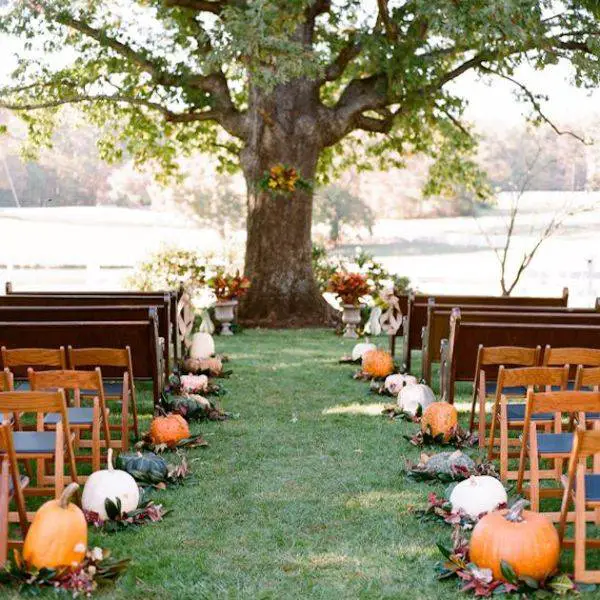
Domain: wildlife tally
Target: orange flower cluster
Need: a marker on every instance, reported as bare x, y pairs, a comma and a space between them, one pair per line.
348, 287
282, 178
229, 287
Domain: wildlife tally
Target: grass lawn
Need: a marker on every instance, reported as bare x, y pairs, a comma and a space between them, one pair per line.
301, 497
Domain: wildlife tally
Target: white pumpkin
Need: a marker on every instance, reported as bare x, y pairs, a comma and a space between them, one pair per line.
413, 396
203, 346
478, 494
110, 483
395, 383
362, 348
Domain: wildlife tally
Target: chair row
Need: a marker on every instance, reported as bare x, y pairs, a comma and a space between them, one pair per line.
121, 388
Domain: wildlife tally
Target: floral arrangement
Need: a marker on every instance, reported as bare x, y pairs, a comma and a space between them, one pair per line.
97, 568
148, 512
348, 287
440, 509
459, 438
283, 179
229, 287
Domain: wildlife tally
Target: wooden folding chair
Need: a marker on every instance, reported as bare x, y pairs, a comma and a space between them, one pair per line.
81, 418
42, 445
583, 490
484, 391
123, 391
588, 378
15, 483
556, 446
33, 357
511, 415
587, 357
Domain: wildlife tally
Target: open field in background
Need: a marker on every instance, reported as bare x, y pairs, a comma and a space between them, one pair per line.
439, 255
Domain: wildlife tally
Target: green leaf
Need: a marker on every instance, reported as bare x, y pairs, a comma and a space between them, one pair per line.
561, 584
508, 573
444, 551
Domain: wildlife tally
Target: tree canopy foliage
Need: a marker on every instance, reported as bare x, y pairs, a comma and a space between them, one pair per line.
175, 76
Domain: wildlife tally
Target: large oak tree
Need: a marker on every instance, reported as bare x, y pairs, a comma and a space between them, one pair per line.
313, 84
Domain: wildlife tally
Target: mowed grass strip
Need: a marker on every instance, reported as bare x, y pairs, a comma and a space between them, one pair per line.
303, 496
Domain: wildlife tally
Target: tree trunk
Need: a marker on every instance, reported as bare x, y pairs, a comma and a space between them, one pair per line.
279, 246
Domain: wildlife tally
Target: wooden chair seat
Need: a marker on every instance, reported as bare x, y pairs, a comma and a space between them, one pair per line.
516, 413
35, 442
83, 415
555, 443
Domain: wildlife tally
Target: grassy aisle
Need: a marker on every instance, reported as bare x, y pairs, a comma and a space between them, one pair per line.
295, 499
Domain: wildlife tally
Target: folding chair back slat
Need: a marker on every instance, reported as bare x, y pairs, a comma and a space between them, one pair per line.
587, 377
34, 357
509, 355
563, 402
589, 357
99, 357
532, 376
66, 379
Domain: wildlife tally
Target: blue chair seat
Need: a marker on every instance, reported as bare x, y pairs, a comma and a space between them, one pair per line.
592, 488
516, 412
112, 387
490, 389
554, 443
34, 442
592, 415
22, 386
77, 416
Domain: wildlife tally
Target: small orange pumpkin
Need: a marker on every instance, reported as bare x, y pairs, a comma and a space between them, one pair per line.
58, 534
439, 418
377, 363
526, 540
169, 430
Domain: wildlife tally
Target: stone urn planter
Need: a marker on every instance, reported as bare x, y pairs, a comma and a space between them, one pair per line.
351, 318
225, 315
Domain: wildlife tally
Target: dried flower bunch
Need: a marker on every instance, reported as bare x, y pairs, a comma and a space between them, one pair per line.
283, 179
348, 287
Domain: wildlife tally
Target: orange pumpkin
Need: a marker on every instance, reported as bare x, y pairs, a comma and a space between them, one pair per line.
377, 363
58, 534
169, 430
439, 418
526, 540
214, 365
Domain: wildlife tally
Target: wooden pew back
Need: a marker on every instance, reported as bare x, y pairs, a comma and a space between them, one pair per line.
416, 313
459, 353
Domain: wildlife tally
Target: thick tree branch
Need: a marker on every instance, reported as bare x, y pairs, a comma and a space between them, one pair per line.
534, 103
169, 115
390, 28
347, 54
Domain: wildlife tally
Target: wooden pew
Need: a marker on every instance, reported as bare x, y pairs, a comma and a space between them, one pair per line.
416, 313
438, 323
174, 296
459, 352
140, 336
161, 302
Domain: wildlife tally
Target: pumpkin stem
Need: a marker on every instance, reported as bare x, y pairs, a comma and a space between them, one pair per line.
109, 461
515, 514
63, 501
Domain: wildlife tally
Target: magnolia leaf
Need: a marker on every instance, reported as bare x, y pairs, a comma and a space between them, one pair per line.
561, 584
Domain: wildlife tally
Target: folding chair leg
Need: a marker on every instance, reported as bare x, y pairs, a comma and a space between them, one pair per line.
134, 410
482, 420
59, 462
96, 436
580, 526
503, 443
125, 425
